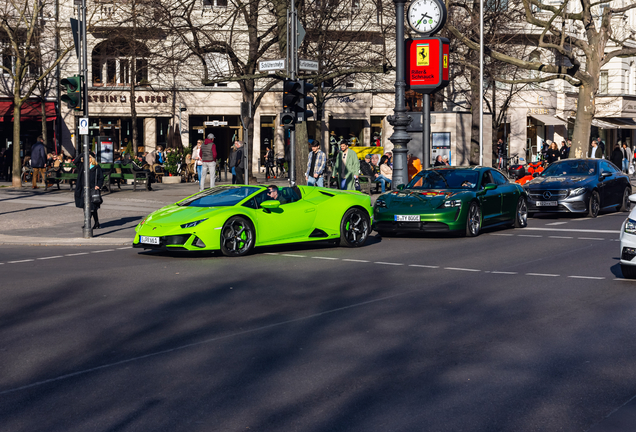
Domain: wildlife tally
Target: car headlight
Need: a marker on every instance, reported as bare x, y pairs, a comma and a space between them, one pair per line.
453, 203
577, 192
380, 203
630, 226
193, 224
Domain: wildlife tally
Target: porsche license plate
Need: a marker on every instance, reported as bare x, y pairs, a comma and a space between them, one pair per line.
547, 203
149, 240
407, 218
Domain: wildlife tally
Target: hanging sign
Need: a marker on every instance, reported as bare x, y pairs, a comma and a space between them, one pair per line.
427, 64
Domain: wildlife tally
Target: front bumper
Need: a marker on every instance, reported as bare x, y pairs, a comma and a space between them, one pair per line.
628, 247
577, 204
442, 220
176, 238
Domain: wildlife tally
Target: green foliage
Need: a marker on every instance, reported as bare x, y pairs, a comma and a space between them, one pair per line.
173, 159
129, 149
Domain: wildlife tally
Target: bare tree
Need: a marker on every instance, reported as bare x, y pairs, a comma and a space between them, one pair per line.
588, 34
23, 30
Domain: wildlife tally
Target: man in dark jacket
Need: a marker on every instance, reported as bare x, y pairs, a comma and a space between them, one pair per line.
617, 156
38, 161
240, 164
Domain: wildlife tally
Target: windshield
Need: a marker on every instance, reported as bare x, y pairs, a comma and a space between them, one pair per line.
571, 168
219, 197
445, 179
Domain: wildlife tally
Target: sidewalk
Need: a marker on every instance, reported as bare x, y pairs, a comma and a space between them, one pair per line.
36, 217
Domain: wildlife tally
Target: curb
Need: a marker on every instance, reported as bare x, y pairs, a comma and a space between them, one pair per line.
53, 241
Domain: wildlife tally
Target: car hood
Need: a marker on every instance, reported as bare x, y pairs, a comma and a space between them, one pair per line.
564, 182
423, 199
174, 214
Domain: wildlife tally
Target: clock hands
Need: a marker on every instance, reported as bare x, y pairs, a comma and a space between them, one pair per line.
424, 16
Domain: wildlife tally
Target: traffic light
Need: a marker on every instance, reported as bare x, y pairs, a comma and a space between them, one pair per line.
291, 99
305, 100
73, 96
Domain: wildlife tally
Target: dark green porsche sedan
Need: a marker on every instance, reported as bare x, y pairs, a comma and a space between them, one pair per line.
453, 199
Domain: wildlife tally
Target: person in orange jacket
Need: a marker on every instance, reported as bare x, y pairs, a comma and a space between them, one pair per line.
414, 165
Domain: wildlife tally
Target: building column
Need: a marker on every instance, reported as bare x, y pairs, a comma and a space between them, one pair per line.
256, 142
150, 134
518, 132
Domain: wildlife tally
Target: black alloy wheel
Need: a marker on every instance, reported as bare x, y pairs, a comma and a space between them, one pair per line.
473, 220
521, 217
594, 206
354, 228
625, 204
237, 237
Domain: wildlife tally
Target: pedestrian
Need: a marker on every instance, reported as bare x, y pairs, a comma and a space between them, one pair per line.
390, 156
438, 161
552, 155
232, 163
617, 156
269, 163
95, 182
208, 161
445, 160
346, 168
38, 162
366, 167
239, 164
196, 156
564, 151
601, 145
150, 158
160, 156
386, 173
414, 165
316, 163
595, 151
628, 157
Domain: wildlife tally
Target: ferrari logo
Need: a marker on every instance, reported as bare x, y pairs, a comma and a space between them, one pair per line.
422, 55
445, 61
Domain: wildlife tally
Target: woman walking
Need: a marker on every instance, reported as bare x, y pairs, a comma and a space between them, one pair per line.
96, 182
553, 153
196, 156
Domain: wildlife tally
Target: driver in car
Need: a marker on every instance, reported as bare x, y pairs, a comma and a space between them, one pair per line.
272, 193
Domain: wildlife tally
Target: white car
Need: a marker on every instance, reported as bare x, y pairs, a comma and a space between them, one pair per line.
628, 243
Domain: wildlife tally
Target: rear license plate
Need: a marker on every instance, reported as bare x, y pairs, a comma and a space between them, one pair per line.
407, 218
149, 240
547, 203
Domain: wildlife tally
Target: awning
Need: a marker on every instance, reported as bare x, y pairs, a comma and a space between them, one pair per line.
30, 111
603, 124
549, 120
621, 122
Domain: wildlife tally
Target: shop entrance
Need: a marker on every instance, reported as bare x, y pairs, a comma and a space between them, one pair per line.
348, 129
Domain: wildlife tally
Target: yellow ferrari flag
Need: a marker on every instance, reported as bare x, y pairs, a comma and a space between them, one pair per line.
422, 55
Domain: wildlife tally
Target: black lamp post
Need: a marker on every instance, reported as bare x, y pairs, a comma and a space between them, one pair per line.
399, 120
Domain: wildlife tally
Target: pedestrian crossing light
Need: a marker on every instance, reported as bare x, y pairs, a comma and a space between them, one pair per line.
291, 100
73, 96
305, 100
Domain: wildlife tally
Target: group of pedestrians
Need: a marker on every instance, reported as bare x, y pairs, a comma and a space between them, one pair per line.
205, 159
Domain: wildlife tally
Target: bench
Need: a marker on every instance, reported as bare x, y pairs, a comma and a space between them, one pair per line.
125, 172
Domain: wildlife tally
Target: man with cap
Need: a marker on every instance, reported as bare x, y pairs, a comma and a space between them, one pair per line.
315, 165
208, 161
38, 162
347, 167
366, 168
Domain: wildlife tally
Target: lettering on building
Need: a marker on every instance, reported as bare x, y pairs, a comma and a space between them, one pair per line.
538, 111
346, 99
124, 98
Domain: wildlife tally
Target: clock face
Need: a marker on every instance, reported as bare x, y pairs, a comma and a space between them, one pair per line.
426, 16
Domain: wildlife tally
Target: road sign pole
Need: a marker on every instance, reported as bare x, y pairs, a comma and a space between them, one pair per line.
88, 230
293, 51
426, 131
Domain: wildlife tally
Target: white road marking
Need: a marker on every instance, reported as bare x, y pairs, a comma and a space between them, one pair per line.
574, 230
326, 258
504, 272
355, 260
586, 277
270, 253
388, 263
76, 254
295, 256
502, 234
51, 257
626, 280
590, 238
105, 250
560, 237
556, 223
20, 261
423, 266
542, 274
127, 247
461, 269
528, 235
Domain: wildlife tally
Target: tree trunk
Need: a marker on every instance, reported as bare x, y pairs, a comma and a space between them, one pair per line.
302, 152
16, 172
44, 137
475, 100
584, 115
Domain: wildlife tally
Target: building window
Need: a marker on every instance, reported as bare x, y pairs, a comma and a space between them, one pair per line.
214, 3
604, 84
112, 61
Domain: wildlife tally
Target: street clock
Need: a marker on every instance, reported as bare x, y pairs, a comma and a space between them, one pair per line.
426, 16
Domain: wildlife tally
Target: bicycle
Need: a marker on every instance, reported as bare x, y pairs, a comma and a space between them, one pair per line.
27, 174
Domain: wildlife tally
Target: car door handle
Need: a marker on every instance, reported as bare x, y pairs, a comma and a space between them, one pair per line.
309, 210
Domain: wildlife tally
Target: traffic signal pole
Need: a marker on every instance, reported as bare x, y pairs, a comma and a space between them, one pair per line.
88, 230
292, 72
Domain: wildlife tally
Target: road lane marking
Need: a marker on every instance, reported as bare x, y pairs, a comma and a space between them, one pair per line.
560, 237
127, 247
590, 238
76, 254
355, 260
586, 277
502, 234
542, 274
20, 261
326, 258
388, 263
504, 272
424, 266
51, 257
105, 250
270, 253
528, 235
574, 230
556, 223
461, 269
294, 256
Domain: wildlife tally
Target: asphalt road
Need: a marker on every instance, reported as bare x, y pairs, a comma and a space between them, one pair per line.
516, 330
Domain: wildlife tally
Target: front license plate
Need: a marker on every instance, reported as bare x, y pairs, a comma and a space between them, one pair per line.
149, 240
407, 218
547, 203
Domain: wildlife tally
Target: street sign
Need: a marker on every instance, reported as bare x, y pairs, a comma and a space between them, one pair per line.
271, 65
83, 126
301, 34
215, 123
427, 64
308, 65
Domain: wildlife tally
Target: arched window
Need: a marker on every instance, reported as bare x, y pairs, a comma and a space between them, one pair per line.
112, 62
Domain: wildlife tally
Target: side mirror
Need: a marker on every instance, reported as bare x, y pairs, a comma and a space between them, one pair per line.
632, 199
490, 186
271, 204
605, 175
536, 174
401, 187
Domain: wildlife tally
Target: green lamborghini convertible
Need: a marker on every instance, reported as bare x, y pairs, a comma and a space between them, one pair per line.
236, 218
461, 200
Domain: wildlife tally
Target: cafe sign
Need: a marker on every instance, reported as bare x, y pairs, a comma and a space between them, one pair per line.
124, 98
